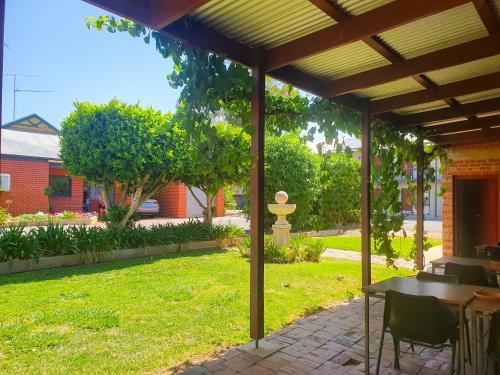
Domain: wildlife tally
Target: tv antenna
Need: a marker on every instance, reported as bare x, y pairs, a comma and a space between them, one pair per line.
17, 90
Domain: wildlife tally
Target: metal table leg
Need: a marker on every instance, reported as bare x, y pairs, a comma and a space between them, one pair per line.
461, 353
367, 333
473, 322
481, 345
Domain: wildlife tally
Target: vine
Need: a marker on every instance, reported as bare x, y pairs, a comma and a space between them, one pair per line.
213, 86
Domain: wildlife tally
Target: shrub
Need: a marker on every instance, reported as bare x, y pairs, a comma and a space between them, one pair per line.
292, 167
300, 249
93, 242
115, 214
339, 191
54, 239
15, 244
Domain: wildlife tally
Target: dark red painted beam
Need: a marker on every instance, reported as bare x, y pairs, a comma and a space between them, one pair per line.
444, 114
463, 125
163, 13
465, 87
378, 20
473, 137
460, 54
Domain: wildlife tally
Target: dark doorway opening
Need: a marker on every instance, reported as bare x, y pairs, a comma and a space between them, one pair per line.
475, 213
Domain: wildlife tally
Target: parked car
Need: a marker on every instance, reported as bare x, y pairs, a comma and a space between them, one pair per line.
149, 208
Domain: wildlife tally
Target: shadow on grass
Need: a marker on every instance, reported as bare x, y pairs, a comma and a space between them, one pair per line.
90, 269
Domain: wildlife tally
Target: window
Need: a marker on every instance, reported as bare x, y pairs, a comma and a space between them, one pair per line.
59, 186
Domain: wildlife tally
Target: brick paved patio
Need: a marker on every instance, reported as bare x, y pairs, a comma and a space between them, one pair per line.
328, 342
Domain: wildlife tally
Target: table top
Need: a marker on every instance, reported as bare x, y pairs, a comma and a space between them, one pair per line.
485, 262
453, 294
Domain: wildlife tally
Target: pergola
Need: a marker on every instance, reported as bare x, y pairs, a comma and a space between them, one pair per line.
432, 64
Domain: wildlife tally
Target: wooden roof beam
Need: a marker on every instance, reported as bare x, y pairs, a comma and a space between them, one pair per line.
444, 114
163, 13
459, 88
487, 15
378, 20
475, 137
462, 125
456, 55
377, 44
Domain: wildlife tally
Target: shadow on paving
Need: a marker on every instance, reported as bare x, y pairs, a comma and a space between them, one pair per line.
327, 342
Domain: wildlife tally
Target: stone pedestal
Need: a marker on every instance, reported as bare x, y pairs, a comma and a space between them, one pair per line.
281, 228
281, 234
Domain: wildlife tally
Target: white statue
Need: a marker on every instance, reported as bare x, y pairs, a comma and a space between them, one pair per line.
281, 229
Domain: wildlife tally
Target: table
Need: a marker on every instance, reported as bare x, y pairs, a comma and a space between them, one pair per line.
452, 294
441, 262
480, 309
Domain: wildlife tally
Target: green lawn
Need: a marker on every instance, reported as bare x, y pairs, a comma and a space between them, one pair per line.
401, 245
147, 314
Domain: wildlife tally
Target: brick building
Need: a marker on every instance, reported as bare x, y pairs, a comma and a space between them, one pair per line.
34, 179
471, 202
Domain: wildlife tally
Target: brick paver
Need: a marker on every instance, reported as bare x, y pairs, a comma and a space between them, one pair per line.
328, 342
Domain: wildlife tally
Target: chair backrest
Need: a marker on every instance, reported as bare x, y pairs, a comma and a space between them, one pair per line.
448, 279
417, 318
493, 252
472, 275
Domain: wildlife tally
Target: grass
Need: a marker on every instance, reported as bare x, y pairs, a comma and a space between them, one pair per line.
148, 314
401, 245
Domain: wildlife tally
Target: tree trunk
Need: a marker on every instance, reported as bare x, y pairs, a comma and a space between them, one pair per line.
134, 205
105, 196
208, 209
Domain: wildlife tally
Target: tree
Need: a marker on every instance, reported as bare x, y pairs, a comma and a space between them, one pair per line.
339, 190
219, 155
210, 83
289, 165
137, 150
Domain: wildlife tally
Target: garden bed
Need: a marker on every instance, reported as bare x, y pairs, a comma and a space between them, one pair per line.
37, 223
19, 265
56, 245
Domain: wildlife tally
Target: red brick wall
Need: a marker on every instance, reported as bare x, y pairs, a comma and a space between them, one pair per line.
219, 203
479, 160
28, 179
73, 203
172, 201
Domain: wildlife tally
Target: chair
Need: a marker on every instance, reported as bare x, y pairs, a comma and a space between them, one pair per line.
472, 275
493, 252
422, 320
448, 279
493, 349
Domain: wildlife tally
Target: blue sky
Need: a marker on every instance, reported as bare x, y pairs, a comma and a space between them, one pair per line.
50, 38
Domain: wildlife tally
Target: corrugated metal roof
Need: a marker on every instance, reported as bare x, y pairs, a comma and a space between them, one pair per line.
267, 23
464, 71
357, 7
401, 86
343, 61
454, 26
483, 95
421, 107
21, 143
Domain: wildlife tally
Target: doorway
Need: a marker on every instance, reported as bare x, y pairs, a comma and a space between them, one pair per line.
475, 213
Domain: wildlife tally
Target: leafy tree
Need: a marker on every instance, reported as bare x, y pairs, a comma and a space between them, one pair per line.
219, 155
115, 144
339, 190
292, 167
210, 84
